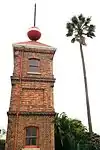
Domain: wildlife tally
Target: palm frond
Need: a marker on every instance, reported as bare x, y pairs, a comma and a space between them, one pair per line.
81, 18
92, 28
70, 33
74, 20
70, 26
90, 34
80, 31
73, 40
88, 20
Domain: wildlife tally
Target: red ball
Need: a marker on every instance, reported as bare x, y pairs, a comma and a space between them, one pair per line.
34, 33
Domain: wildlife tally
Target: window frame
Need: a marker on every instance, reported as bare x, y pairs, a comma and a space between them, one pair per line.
37, 137
34, 66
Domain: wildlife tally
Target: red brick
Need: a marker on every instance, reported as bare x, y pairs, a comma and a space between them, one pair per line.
32, 99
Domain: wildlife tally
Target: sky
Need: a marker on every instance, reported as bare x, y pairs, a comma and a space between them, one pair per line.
16, 16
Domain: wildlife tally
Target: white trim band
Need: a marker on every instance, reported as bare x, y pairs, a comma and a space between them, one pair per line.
34, 46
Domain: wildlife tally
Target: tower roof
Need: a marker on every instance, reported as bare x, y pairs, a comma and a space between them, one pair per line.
34, 34
33, 44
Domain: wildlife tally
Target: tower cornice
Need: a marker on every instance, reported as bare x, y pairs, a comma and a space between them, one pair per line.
34, 48
32, 79
22, 113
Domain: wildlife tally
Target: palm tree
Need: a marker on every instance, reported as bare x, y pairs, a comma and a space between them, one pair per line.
63, 135
80, 28
69, 133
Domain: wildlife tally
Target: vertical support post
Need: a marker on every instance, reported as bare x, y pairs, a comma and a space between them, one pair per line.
35, 15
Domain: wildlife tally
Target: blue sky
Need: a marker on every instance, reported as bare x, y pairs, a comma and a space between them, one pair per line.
16, 16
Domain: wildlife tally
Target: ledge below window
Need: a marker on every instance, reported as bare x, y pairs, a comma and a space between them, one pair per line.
31, 148
34, 73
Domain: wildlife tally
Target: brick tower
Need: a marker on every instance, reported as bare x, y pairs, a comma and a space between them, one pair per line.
31, 111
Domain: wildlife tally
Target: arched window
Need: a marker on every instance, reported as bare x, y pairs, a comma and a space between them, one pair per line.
31, 136
34, 65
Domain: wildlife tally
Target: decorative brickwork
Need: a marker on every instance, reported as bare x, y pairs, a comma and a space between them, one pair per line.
31, 101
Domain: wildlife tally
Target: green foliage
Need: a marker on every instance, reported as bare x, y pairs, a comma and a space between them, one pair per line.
79, 28
67, 131
2, 144
2, 131
71, 134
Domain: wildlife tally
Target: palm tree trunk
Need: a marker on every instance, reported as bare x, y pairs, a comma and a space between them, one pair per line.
86, 91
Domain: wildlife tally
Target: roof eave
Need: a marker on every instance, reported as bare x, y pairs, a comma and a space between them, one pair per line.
33, 46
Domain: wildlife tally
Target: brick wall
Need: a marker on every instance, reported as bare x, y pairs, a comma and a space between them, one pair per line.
46, 63
35, 96
46, 131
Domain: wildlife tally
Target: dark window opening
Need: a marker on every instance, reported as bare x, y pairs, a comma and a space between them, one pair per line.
34, 65
31, 136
